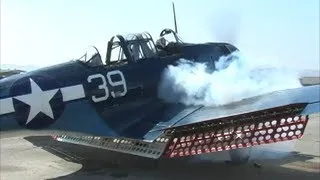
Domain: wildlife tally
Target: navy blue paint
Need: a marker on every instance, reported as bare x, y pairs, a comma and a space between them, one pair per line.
133, 115
21, 87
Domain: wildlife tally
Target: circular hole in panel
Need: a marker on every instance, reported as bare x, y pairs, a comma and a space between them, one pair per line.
256, 133
283, 135
248, 134
239, 141
289, 120
279, 129
260, 125
239, 128
246, 127
232, 142
282, 121
227, 137
252, 126
263, 132
254, 139
261, 138
300, 126
219, 132
298, 132
285, 128
273, 123
226, 131
220, 138
268, 137
290, 133
242, 135
175, 139
215, 140
267, 123
276, 136
206, 135
225, 144
270, 131
246, 140
296, 118
293, 127
193, 136
211, 134
219, 144
199, 147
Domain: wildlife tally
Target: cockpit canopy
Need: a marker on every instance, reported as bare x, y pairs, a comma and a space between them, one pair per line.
133, 48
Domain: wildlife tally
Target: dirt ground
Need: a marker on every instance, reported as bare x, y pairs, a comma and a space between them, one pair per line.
26, 155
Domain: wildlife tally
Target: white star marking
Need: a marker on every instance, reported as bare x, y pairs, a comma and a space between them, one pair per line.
38, 101
69, 93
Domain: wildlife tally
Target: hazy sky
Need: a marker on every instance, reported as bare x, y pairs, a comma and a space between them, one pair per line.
45, 32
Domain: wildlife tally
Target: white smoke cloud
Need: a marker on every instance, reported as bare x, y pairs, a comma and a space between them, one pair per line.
236, 78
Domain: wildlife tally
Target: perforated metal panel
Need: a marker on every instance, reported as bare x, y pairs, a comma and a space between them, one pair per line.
124, 145
251, 129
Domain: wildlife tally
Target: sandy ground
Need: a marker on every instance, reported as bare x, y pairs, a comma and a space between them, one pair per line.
26, 155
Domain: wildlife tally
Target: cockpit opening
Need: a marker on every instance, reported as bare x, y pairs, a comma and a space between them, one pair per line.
92, 57
169, 43
133, 48
141, 46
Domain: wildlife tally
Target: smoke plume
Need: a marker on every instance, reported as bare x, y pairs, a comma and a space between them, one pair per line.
234, 78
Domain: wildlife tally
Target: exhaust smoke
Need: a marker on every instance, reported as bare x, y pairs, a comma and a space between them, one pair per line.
234, 79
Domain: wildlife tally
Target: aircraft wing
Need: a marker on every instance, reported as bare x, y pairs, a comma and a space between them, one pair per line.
306, 97
190, 130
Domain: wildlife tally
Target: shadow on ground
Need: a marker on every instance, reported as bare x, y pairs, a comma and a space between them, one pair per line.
103, 164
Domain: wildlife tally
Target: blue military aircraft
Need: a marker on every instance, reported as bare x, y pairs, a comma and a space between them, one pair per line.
113, 104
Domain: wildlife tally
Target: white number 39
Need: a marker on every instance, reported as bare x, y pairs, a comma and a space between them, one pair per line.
103, 85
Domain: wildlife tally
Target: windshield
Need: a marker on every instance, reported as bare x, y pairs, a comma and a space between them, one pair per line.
89, 54
170, 36
91, 57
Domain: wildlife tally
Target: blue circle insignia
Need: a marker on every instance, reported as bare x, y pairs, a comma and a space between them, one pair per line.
37, 101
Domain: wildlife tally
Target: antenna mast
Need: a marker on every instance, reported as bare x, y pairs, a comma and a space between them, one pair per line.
174, 16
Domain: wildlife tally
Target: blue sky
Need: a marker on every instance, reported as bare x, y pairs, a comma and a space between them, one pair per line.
42, 33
